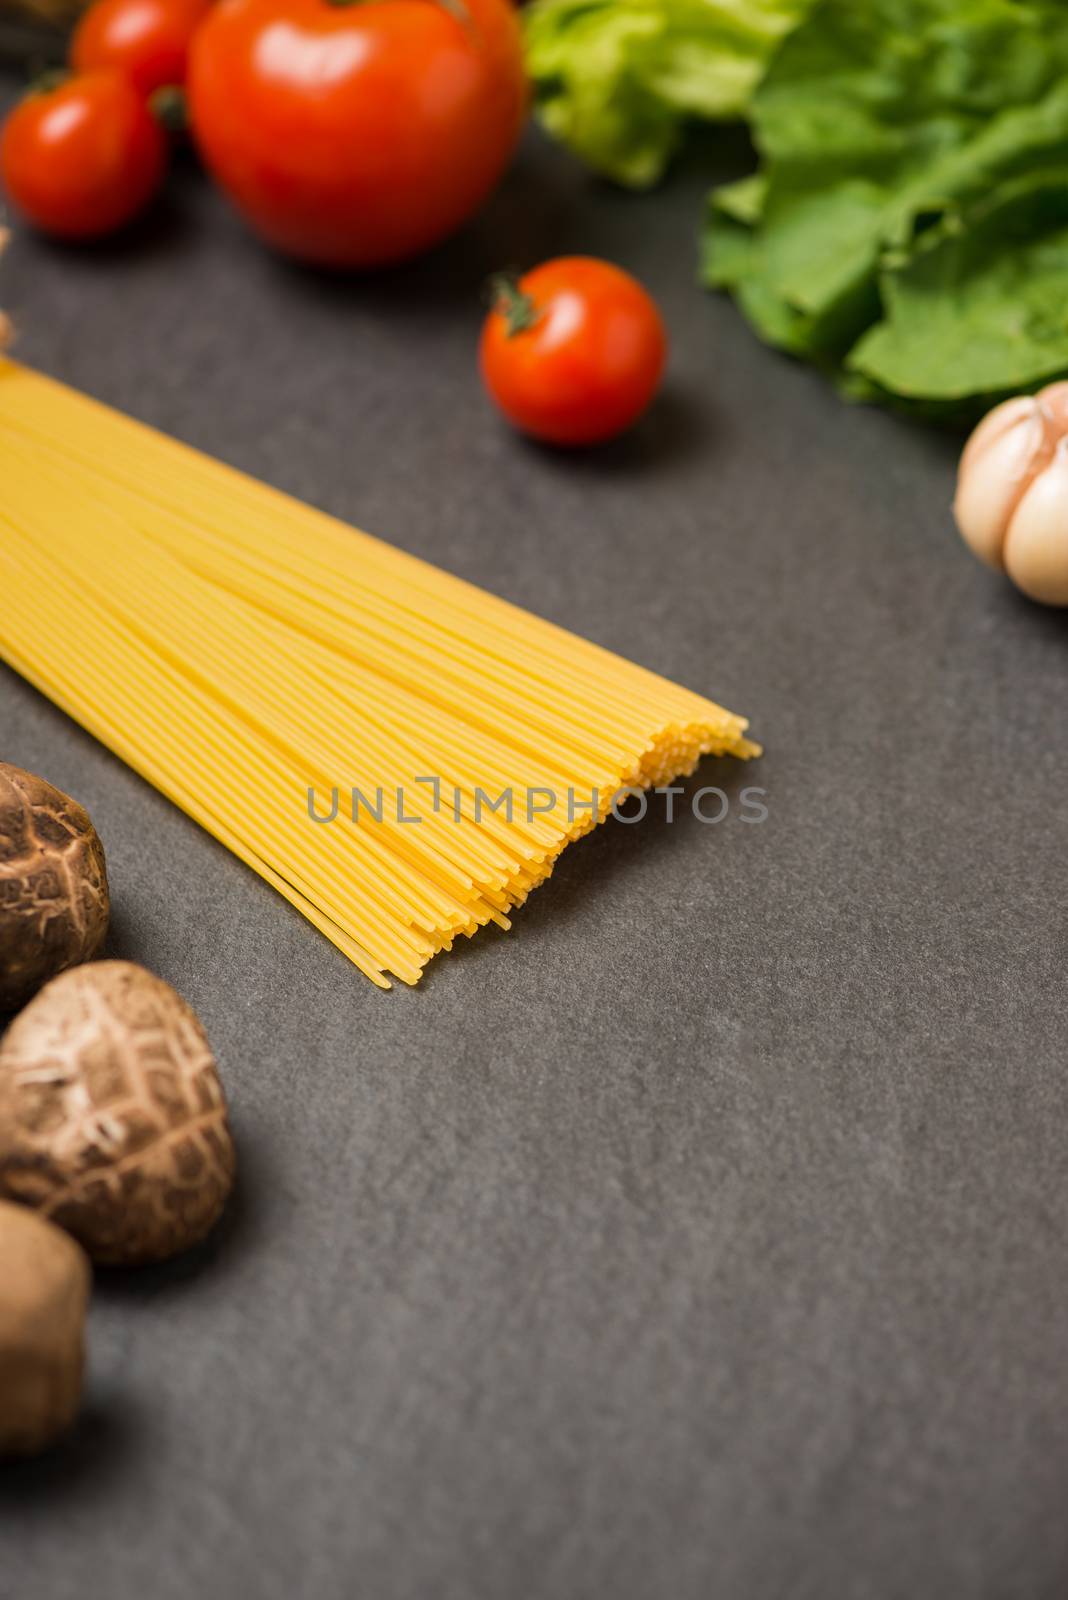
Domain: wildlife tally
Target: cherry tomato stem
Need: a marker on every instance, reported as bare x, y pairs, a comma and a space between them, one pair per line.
509, 301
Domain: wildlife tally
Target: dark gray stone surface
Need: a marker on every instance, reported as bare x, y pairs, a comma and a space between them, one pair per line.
706, 1235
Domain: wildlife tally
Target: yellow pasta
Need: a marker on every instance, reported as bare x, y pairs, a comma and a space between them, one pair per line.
265, 666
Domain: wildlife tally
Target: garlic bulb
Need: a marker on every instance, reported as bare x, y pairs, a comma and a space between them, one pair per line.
1012, 493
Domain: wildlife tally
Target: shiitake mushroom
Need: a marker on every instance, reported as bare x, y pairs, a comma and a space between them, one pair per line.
112, 1118
53, 885
44, 1288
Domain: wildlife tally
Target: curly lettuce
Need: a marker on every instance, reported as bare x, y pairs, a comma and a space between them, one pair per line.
619, 80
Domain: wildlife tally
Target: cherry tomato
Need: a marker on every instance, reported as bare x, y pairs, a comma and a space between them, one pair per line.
573, 352
357, 134
148, 40
81, 159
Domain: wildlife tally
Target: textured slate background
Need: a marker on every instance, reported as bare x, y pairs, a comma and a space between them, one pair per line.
705, 1236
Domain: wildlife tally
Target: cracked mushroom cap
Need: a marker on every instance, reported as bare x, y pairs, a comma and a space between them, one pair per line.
54, 902
112, 1117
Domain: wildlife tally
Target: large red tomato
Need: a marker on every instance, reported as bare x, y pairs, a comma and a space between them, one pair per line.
357, 134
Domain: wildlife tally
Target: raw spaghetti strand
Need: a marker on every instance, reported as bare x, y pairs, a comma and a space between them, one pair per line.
243, 651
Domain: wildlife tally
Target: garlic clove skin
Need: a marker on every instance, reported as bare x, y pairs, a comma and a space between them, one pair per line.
1054, 401
1004, 455
994, 424
1036, 546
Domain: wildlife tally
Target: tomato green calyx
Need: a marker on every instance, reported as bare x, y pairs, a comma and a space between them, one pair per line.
49, 79
168, 106
509, 301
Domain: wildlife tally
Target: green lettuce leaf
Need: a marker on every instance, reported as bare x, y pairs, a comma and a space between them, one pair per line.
893, 135
618, 80
982, 306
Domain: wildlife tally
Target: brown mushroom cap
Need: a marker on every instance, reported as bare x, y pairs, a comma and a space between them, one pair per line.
53, 885
112, 1116
44, 1289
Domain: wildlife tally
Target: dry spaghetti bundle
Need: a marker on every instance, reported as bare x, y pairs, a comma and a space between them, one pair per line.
256, 659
